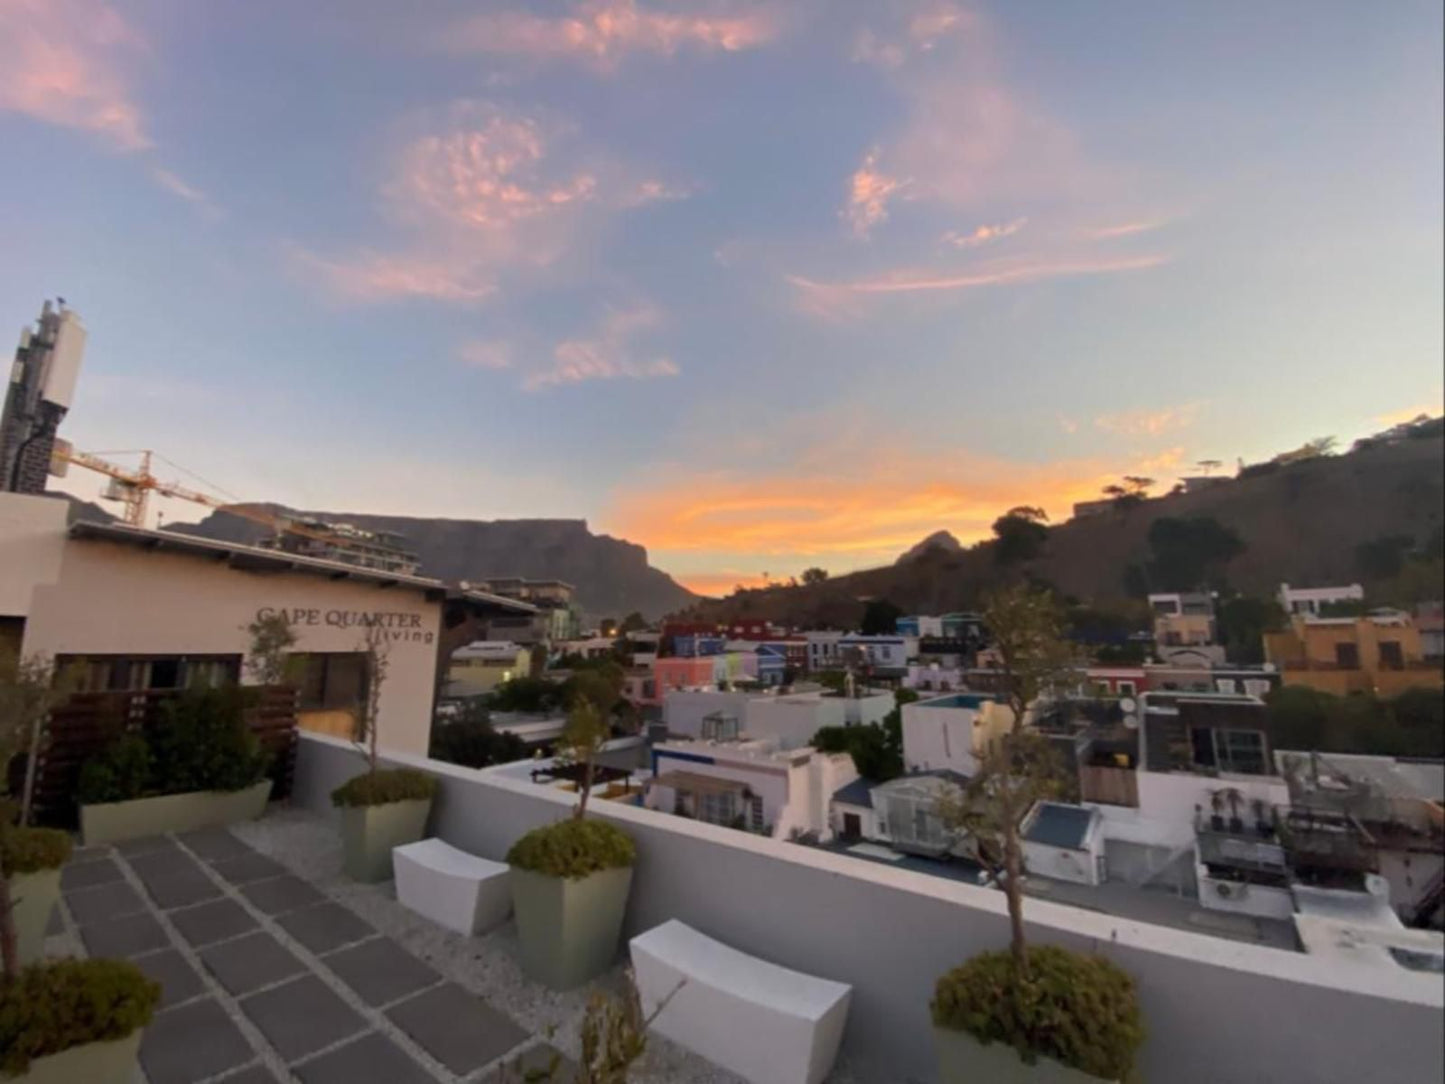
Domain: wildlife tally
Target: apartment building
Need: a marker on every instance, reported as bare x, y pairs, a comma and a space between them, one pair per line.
1379, 652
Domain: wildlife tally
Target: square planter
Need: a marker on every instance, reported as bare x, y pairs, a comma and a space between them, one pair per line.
369, 832
33, 897
569, 928
112, 822
112, 1062
962, 1058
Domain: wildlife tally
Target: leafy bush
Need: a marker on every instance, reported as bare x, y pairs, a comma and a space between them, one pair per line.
122, 771
385, 787
573, 849
1078, 1010
200, 743
875, 754
475, 743
29, 850
54, 1006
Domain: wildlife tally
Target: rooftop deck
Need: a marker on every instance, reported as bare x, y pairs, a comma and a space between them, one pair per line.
275, 967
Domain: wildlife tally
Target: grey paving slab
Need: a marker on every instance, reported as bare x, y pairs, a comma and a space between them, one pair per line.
257, 1074
103, 903
81, 855
324, 927
125, 937
246, 964
278, 895
372, 1059
214, 844
246, 868
157, 864
145, 845
54, 924
179, 980
302, 1017
459, 1030
543, 1062
380, 971
182, 889
207, 923
99, 871
192, 1042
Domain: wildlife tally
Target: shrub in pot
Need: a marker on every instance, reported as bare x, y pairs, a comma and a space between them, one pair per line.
382, 808
1067, 1017
74, 1020
30, 861
199, 766
570, 880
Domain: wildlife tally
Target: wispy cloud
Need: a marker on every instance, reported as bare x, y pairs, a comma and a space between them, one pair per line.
66, 63
1124, 229
486, 354
984, 235
1148, 423
188, 192
608, 353
483, 192
826, 298
601, 32
869, 191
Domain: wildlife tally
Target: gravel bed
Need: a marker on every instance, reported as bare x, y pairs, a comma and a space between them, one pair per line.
487, 965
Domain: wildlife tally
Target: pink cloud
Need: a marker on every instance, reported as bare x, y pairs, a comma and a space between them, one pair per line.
486, 354
1124, 229
1148, 423
65, 65
376, 276
984, 234
600, 32
869, 191
607, 354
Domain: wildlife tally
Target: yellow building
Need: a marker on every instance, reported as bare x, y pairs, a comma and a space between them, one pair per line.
1379, 652
481, 666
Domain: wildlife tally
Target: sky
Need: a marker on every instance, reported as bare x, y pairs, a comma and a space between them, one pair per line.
759, 286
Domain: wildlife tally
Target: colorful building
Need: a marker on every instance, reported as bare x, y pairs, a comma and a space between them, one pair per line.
1380, 652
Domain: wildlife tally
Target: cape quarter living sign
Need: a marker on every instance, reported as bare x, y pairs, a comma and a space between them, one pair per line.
396, 627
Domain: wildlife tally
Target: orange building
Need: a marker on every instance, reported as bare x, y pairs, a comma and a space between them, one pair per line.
1379, 652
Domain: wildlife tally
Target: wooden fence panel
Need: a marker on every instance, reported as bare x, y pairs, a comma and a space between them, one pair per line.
1111, 786
88, 722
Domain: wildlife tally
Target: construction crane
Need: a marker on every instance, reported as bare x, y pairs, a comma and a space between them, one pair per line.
134, 487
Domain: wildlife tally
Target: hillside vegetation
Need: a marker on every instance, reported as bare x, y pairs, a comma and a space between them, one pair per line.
1372, 516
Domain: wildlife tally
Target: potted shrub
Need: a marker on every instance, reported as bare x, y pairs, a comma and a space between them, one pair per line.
74, 1020
198, 767
381, 808
1055, 1015
30, 861
570, 880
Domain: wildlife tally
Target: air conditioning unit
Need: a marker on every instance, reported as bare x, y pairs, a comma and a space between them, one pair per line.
1227, 891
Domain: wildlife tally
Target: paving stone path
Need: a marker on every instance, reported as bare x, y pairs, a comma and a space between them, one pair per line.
267, 980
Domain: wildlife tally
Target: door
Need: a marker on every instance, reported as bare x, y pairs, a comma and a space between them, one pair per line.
852, 825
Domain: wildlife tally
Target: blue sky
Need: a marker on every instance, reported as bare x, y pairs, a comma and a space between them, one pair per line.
759, 286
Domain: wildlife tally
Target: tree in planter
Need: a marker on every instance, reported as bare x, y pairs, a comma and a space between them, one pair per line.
30, 688
595, 694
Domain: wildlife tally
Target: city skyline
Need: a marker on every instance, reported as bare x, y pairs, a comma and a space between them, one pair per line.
757, 286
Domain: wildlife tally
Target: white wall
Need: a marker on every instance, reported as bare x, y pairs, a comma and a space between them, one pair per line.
868, 827
1214, 1010
770, 782
1258, 901
683, 711
1167, 799
793, 720
1062, 863
935, 738
867, 709
32, 541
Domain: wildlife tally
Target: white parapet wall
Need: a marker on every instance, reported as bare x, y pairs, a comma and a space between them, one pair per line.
1215, 1010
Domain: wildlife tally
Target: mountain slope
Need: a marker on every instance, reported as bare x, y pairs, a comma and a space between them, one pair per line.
611, 575
1300, 523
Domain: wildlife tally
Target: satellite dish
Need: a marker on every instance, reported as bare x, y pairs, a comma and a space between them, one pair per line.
1131, 722
1128, 706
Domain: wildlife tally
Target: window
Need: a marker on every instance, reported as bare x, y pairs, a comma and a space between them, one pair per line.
717, 808
1256, 686
1225, 685
1202, 739
1126, 688
1392, 656
130, 673
333, 681
1347, 656
1240, 751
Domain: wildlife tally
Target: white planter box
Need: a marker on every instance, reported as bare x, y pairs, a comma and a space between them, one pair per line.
763, 1022
452, 888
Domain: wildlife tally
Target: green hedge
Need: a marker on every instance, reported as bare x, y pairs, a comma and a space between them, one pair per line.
29, 850
54, 1006
573, 849
201, 743
1078, 1010
383, 787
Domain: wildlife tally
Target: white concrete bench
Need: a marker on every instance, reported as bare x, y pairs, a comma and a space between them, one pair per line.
452, 888
765, 1023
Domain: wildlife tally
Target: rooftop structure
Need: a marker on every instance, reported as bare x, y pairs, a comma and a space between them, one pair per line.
37, 397
1309, 601
348, 544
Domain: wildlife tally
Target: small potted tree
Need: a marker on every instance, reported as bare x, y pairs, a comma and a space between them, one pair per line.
66, 1020
570, 880
380, 808
1054, 1015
